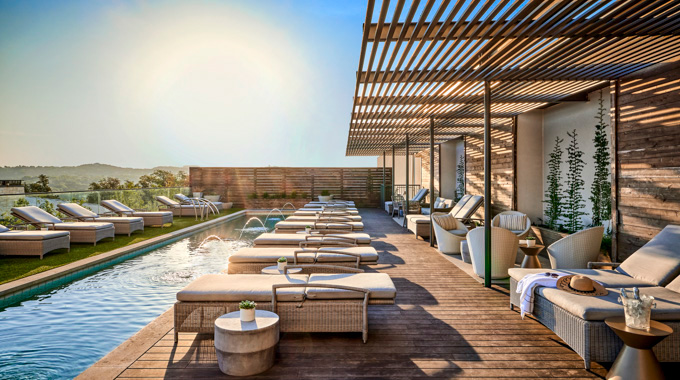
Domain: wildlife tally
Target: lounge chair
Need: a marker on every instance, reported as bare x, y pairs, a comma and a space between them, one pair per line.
79, 232
151, 218
311, 218
440, 205
327, 237
399, 205
179, 209
216, 206
335, 223
504, 245
449, 233
322, 302
252, 260
579, 321
508, 219
314, 211
575, 251
123, 225
464, 210
32, 243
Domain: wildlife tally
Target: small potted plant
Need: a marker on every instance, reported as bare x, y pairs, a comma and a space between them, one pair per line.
247, 310
325, 196
281, 263
531, 241
308, 229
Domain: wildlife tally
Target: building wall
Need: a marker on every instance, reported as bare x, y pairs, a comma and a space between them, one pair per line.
648, 139
450, 154
530, 164
415, 176
11, 189
425, 170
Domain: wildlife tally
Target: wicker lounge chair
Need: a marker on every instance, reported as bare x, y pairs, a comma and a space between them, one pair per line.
322, 237
79, 232
311, 218
252, 260
336, 302
215, 206
32, 243
321, 222
307, 211
123, 225
500, 221
576, 250
579, 321
464, 210
178, 209
151, 218
503, 251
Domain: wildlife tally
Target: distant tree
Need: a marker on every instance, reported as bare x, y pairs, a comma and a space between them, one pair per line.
573, 199
182, 179
42, 185
553, 195
129, 185
106, 183
163, 178
601, 189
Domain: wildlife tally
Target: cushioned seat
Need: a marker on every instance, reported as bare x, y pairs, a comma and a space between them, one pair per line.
368, 254
299, 226
419, 219
30, 235
380, 285
239, 287
658, 261
313, 211
295, 239
608, 278
600, 308
82, 226
270, 255
312, 218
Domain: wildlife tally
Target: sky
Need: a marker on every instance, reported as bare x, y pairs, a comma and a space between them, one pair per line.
150, 83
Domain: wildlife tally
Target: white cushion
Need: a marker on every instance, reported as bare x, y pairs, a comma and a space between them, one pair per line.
512, 222
368, 254
82, 226
380, 285
75, 210
115, 206
34, 214
295, 239
270, 255
32, 235
240, 287
658, 261
3, 228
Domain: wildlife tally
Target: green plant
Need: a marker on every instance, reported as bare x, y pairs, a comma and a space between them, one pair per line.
601, 189
303, 195
308, 226
460, 177
252, 196
42, 185
247, 304
574, 203
265, 195
293, 194
530, 238
282, 260
325, 193
553, 195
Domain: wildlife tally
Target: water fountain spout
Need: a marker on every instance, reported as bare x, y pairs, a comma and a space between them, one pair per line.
291, 205
270, 212
248, 222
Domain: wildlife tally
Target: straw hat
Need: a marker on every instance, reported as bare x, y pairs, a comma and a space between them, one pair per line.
582, 285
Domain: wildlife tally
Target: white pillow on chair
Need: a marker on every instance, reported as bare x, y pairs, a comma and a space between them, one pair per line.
513, 222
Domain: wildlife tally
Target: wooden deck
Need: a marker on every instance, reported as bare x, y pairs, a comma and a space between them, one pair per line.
445, 324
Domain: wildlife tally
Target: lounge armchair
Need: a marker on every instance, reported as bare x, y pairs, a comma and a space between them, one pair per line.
252, 260
575, 251
321, 222
449, 233
215, 206
579, 321
464, 210
151, 218
322, 237
194, 209
336, 302
32, 243
79, 232
504, 245
508, 219
123, 225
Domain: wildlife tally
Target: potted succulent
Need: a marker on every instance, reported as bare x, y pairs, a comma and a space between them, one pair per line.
531, 241
308, 229
325, 196
281, 263
247, 310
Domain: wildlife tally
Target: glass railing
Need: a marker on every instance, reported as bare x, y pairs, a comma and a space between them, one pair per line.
133, 198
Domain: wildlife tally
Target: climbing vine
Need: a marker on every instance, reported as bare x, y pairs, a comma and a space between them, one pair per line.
573, 197
460, 178
601, 188
553, 195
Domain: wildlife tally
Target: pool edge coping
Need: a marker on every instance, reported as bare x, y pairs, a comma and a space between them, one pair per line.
32, 281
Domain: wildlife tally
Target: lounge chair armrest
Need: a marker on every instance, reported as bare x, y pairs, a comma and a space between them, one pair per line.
592, 264
320, 243
321, 266
366, 292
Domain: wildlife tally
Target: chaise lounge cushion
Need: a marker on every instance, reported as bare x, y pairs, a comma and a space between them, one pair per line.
600, 308
239, 287
3, 228
380, 285
658, 261
82, 226
32, 235
368, 254
270, 255
608, 278
33, 214
295, 239
418, 219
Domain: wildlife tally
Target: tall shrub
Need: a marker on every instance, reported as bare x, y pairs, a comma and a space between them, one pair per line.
553, 195
460, 178
573, 198
601, 189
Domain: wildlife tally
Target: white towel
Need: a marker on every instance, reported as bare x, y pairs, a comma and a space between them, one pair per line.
526, 288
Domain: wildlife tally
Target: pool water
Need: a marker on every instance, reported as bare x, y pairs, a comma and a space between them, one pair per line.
59, 334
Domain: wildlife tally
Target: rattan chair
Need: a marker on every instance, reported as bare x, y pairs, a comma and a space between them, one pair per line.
576, 250
521, 234
448, 240
504, 246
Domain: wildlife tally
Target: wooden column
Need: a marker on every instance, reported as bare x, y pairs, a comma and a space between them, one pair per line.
431, 180
615, 89
487, 184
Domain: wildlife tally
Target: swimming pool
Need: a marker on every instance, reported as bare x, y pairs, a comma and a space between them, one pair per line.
59, 334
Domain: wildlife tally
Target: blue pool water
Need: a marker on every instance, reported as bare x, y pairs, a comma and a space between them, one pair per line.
61, 333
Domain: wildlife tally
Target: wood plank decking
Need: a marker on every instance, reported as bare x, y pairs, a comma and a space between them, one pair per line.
445, 324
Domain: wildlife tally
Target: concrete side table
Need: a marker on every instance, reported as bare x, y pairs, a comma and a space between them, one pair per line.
636, 360
531, 256
246, 348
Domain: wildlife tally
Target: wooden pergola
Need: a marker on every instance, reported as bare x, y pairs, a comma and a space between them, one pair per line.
431, 71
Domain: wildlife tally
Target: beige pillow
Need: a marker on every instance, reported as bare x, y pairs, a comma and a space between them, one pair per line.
447, 221
513, 222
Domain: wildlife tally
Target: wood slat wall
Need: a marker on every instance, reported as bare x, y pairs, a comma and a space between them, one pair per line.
362, 185
648, 138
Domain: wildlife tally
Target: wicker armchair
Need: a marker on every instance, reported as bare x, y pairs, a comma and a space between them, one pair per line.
504, 246
448, 240
521, 234
576, 250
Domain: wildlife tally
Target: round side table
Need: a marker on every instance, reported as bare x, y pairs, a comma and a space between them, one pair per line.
636, 360
531, 256
275, 270
246, 348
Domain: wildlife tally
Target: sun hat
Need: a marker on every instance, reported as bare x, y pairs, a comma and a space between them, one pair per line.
581, 285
